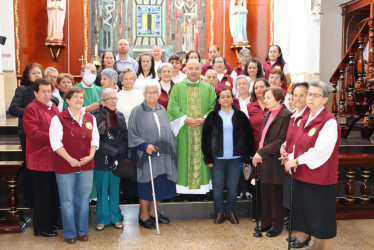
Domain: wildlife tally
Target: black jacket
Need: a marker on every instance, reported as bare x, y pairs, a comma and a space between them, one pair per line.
111, 140
23, 96
212, 138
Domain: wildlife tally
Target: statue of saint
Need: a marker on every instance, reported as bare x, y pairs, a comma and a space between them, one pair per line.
238, 21
56, 17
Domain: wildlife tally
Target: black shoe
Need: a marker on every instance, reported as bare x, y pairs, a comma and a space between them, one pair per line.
49, 233
272, 232
263, 228
298, 244
148, 224
56, 227
161, 219
293, 239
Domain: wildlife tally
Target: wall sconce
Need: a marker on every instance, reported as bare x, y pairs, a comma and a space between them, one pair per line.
316, 11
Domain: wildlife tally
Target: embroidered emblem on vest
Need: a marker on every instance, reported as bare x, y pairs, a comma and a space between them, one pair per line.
277, 67
298, 123
89, 125
227, 84
312, 131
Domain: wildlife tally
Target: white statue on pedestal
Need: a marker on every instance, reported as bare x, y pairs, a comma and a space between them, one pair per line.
56, 17
238, 21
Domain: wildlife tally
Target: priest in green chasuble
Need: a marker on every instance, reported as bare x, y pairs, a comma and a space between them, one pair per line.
191, 100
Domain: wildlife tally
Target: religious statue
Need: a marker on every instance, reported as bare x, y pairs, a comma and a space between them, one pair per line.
238, 21
56, 17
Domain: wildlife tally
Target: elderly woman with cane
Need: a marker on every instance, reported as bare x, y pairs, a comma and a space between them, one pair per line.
315, 160
150, 133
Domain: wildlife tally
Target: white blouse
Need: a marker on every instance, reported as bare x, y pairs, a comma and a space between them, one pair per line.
127, 100
56, 131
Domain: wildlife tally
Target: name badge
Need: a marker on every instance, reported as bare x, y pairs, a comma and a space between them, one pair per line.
312, 131
228, 84
298, 123
89, 125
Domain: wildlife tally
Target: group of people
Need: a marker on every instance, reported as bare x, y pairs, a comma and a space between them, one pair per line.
200, 127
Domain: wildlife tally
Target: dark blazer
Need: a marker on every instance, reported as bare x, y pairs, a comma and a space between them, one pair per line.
111, 140
271, 170
212, 138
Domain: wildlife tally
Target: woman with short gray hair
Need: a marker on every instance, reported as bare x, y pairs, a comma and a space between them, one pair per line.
128, 97
243, 57
315, 161
150, 133
165, 72
112, 128
242, 85
109, 78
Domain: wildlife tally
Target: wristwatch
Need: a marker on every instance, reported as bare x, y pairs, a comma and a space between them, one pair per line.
297, 161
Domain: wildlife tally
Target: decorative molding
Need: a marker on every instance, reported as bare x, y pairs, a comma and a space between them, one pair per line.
211, 22
271, 22
85, 32
16, 17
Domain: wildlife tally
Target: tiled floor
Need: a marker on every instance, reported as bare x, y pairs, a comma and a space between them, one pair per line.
203, 234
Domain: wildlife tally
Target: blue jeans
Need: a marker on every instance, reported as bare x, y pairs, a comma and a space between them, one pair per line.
107, 184
225, 170
74, 190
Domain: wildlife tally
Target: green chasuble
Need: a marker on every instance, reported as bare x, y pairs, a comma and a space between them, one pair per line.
194, 100
92, 94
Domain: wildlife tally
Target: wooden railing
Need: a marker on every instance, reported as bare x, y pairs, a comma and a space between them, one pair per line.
353, 85
356, 200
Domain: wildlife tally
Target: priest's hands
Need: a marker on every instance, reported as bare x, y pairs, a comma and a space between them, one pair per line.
192, 122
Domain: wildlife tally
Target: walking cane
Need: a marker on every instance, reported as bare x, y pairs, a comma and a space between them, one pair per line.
153, 194
257, 233
290, 218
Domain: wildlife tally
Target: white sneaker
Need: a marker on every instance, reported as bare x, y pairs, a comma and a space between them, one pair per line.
239, 196
100, 227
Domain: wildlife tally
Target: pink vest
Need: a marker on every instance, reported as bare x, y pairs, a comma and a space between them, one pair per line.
327, 174
267, 67
77, 142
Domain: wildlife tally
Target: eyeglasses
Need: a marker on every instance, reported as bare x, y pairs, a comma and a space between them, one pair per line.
151, 93
314, 95
113, 99
52, 77
218, 62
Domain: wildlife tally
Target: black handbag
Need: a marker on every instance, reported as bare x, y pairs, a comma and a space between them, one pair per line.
125, 169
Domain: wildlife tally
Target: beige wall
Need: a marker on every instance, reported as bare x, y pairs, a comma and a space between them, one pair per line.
9, 86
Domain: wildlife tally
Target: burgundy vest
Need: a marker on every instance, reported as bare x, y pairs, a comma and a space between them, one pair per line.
77, 142
239, 70
164, 97
266, 66
327, 174
225, 83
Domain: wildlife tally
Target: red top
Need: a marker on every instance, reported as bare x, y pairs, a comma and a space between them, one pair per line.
226, 82
77, 142
292, 129
209, 66
266, 66
327, 174
36, 121
239, 70
256, 116
164, 97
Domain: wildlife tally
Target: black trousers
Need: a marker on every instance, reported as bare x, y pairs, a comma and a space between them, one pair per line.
46, 203
26, 178
272, 205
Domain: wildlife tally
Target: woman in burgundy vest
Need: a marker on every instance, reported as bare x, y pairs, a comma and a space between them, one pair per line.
274, 60
299, 94
243, 57
213, 51
74, 138
315, 160
224, 80
165, 72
